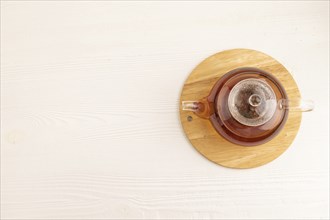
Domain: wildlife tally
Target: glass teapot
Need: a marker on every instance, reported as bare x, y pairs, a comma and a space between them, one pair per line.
247, 106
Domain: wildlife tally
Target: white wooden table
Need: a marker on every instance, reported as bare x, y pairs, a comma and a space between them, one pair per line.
89, 110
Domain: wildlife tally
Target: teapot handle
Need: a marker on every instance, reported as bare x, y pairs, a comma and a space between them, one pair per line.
297, 105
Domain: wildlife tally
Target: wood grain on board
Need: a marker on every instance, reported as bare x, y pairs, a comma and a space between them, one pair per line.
201, 133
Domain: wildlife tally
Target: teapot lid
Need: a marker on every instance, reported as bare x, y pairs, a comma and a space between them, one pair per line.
252, 102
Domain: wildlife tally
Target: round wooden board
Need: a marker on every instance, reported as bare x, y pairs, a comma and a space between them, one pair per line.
201, 133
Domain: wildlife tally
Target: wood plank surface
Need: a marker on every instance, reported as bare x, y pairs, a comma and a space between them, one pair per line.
90, 126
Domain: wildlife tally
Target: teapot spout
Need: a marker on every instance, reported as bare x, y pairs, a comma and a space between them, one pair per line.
190, 106
201, 107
